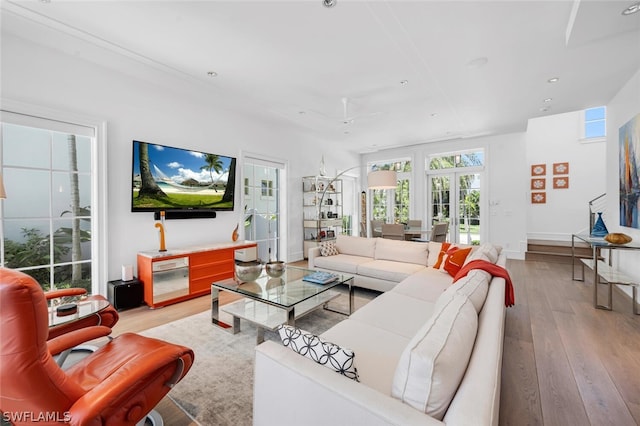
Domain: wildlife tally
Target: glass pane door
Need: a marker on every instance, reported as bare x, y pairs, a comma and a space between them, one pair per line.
468, 208
262, 215
455, 198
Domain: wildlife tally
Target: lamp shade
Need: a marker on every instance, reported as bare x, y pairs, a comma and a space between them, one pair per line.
382, 179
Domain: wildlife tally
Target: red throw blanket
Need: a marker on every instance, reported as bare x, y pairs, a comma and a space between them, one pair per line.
494, 270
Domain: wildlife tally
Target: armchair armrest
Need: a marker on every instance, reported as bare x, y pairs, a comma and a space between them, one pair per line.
131, 388
73, 338
64, 292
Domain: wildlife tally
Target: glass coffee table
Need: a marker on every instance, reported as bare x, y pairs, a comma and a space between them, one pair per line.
269, 302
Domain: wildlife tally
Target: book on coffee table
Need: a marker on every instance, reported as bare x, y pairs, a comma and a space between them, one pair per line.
320, 277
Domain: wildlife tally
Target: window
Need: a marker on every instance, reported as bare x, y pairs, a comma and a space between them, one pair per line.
393, 206
267, 188
49, 216
595, 123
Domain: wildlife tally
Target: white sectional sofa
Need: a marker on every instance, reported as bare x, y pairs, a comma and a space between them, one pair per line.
427, 352
376, 263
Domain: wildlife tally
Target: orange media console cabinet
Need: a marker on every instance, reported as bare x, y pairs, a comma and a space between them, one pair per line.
176, 275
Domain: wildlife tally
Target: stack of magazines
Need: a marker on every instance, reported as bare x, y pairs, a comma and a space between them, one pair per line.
320, 277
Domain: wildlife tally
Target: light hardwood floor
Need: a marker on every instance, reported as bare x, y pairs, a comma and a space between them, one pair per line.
565, 363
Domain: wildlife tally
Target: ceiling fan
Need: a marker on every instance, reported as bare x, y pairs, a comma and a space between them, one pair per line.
350, 119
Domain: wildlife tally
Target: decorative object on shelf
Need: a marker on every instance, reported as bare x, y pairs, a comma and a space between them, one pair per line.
538, 197
160, 227
538, 169
538, 183
234, 234
561, 182
599, 228
248, 271
618, 238
560, 168
629, 166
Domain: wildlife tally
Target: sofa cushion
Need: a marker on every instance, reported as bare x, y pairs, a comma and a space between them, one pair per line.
321, 351
395, 312
427, 284
356, 246
328, 248
402, 251
475, 286
388, 269
377, 364
340, 262
433, 363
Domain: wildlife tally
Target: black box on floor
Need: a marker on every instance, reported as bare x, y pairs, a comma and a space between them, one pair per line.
125, 294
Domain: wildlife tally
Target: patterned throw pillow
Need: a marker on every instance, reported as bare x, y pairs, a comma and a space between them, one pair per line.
324, 353
328, 248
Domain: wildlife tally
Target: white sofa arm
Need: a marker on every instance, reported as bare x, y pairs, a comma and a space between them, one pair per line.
312, 254
290, 389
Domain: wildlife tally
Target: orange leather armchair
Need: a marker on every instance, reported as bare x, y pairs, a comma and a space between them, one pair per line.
108, 317
116, 385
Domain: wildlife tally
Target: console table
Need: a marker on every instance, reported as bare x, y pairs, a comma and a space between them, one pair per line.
604, 270
180, 274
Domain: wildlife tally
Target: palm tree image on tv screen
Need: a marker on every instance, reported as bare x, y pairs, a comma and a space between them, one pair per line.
167, 178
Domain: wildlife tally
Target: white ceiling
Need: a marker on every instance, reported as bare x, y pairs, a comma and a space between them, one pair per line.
296, 60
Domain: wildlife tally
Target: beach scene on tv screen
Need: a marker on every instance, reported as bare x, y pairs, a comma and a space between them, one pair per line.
172, 178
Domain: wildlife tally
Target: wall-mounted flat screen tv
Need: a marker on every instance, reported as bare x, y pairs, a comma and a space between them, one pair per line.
173, 179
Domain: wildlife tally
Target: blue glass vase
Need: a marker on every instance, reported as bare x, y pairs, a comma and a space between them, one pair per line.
599, 228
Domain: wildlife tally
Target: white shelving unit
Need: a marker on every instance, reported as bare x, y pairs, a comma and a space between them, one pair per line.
321, 222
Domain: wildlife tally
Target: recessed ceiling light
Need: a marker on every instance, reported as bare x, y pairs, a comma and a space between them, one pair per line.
553, 80
302, 112
404, 82
632, 9
548, 100
329, 3
434, 114
544, 109
212, 74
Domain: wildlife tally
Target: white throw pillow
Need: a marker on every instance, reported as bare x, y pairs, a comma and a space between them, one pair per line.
486, 252
324, 353
434, 252
435, 360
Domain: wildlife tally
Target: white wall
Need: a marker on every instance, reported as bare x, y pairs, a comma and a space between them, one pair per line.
622, 108
502, 194
556, 139
148, 111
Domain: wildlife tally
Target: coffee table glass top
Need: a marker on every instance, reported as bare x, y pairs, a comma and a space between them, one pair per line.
285, 291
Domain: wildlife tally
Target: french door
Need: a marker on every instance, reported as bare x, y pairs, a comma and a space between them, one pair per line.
455, 198
263, 196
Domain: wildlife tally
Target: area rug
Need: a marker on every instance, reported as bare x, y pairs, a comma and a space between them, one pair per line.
218, 390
